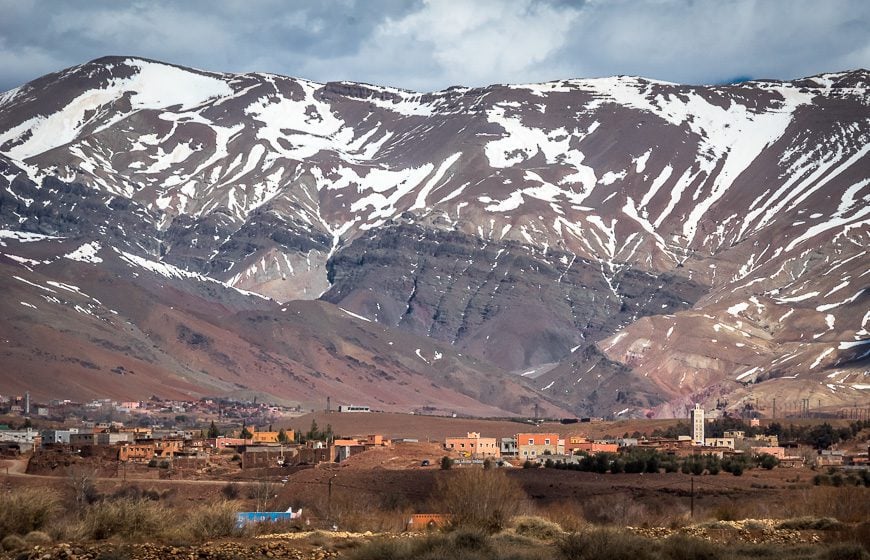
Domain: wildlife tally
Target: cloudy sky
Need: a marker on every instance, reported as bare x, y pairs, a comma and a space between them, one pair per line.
432, 44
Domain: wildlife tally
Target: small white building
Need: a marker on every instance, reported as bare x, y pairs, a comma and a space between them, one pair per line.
58, 436
353, 408
28, 435
720, 442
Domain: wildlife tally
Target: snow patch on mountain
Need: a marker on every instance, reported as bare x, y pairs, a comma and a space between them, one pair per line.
153, 86
87, 253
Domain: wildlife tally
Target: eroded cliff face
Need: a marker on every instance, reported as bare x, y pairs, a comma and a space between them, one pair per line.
625, 245
500, 301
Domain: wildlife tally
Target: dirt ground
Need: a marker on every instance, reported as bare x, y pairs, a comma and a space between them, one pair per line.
437, 428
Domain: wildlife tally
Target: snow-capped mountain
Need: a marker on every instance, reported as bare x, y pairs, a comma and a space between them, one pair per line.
621, 243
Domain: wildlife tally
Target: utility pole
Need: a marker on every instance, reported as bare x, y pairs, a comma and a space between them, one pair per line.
774, 408
329, 498
692, 502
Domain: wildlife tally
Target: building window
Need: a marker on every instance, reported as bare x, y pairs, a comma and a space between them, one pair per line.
547, 441
531, 441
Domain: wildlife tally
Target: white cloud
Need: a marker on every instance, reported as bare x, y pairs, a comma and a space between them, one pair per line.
484, 41
432, 44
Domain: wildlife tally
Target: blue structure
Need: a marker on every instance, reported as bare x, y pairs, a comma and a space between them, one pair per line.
248, 517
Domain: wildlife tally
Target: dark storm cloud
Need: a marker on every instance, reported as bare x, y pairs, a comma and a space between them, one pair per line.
432, 44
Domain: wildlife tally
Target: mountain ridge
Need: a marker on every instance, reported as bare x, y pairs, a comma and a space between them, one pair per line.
547, 217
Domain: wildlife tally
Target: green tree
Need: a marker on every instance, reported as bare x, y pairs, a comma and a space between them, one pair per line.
714, 465
313, 432
768, 461
446, 463
282, 436
213, 431
245, 433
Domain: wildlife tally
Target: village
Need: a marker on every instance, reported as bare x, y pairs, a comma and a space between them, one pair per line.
224, 439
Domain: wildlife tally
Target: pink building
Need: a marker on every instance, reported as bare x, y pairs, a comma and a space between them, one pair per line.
778, 452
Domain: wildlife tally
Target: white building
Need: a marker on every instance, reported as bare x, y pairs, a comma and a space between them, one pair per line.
28, 435
697, 416
58, 436
353, 408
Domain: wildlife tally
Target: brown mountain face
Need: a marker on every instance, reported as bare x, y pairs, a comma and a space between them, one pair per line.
622, 245
155, 329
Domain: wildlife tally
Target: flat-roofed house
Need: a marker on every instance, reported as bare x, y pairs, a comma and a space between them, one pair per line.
531, 445
472, 445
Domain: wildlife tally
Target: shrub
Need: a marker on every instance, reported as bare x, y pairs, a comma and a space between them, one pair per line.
26, 510
80, 481
482, 499
446, 462
617, 509
12, 543
230, 491
807, 523
128, 519
382, 549
567, 515
537, 527
683, 547
845, 551
861, 534
34, 538
768, 461
469, 539
212, 521
604, 544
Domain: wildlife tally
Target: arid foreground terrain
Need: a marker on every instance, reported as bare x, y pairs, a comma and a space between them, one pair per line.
362, 508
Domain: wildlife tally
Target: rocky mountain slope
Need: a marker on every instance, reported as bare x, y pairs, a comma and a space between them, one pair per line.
626, 245
90, 319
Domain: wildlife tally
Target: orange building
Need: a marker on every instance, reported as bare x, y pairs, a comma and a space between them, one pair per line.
136, 452
341, 449
472, 445
534, 445
227, 442
168, 447
264, 437
580, 444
